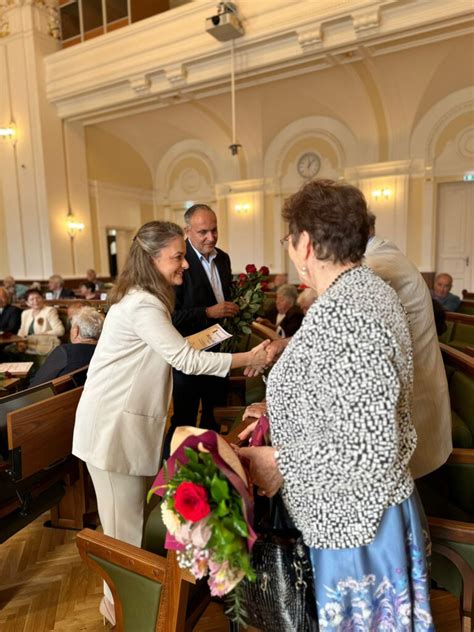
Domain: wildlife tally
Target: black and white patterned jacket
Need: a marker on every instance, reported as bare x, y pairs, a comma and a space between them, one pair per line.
339, 404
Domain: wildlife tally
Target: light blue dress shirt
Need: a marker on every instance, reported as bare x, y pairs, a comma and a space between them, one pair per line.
212, 272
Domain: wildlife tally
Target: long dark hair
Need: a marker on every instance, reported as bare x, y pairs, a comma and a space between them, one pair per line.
139, 270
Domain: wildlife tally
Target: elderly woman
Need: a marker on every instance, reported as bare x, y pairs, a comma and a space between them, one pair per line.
339, 401
86, 327
39, 318
286, 315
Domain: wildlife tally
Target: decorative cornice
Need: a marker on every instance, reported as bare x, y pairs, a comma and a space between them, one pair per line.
48, 23
140, 84
283, 38
310, 40
176, 74
366, 22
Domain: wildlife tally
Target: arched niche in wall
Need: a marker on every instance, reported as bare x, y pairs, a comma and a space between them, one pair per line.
322, 142
443, 140
188, 172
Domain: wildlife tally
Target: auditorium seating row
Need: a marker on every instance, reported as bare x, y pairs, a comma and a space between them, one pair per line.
459, 331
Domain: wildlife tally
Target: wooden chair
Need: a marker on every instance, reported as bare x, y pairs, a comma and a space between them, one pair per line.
150, 591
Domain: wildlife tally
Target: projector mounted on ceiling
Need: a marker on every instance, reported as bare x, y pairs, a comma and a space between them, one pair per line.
226, 25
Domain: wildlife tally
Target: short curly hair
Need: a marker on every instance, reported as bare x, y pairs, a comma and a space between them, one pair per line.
335, 216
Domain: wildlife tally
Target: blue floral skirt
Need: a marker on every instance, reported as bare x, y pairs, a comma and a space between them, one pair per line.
383, 586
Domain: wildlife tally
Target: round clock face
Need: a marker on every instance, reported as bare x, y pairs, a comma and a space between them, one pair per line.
308, 165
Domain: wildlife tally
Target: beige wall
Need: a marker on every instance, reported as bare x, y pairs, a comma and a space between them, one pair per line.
367, 113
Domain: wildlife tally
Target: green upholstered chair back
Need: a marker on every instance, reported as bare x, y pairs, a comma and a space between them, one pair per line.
461, 391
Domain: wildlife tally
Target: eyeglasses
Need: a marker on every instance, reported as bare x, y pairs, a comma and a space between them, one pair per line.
284, 241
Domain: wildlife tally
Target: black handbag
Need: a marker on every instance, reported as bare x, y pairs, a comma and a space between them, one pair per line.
282, 597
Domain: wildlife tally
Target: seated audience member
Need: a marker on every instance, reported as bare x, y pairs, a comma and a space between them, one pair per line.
86, 328
10, 316
441, 292
39, 318
285, 314
87, 291
92, 278
278, 281
440, 317
16, 290
306, 299
56, 286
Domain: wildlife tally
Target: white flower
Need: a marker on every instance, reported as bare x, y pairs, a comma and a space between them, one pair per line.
201, 533
332, 612
170, 519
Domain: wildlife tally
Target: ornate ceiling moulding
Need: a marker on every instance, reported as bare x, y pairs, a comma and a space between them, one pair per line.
366, 23
310, 40
141, 85
177, 75
45, 18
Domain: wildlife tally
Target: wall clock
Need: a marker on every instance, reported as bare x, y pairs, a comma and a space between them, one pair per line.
308, 165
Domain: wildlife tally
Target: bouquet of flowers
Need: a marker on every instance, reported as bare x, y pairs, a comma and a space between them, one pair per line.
248, 294
207, 509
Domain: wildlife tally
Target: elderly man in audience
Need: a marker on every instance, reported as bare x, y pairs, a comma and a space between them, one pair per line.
56, 287
16, 290
91, 276
87, 291
306, 299
441, 292
86, 328
10, 316
286, 315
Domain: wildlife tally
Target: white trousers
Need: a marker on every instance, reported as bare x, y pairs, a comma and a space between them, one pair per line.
120, 502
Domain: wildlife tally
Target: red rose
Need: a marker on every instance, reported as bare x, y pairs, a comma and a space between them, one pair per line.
264, 270
190, 500
250, 268
264, 286
242, 277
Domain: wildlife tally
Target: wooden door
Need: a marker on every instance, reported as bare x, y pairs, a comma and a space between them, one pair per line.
455, 242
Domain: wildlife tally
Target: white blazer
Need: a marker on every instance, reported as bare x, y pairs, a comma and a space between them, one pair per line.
46, 322
431, 411
122, 413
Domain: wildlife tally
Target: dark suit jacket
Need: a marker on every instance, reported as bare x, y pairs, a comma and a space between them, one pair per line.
195, 294
292, 321
62, 360
10, 319
65, 293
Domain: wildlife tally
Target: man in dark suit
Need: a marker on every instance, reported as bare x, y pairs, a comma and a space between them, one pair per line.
10, 316
56, 287
86, 327
201, 301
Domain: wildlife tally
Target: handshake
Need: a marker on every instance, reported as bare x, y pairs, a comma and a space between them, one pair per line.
264, 355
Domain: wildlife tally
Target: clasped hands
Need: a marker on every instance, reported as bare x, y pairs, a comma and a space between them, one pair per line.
264, 355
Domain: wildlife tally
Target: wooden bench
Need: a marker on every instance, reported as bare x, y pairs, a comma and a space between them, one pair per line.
40, 472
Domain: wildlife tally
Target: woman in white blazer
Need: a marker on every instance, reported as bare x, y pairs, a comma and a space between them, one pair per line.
122, 413
39, 318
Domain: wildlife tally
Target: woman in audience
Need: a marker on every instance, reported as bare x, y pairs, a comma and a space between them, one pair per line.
39, 318
122, 413
87, 291
286, 315
86, 326
339, 402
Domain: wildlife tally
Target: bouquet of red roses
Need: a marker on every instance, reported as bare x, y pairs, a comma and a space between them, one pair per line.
207, 508
248, 293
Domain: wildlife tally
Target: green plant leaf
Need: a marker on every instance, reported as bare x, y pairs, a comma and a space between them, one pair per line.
219, 489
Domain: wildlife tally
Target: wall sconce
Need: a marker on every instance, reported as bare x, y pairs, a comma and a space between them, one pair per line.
378, 193
9, 133
73, 225
242, 208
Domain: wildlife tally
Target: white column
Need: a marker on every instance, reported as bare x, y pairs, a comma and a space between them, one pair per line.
33, 173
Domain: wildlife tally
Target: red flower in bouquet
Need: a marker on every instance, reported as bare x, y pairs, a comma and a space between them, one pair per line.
264, 286
264, 270
191, 502
250, 268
